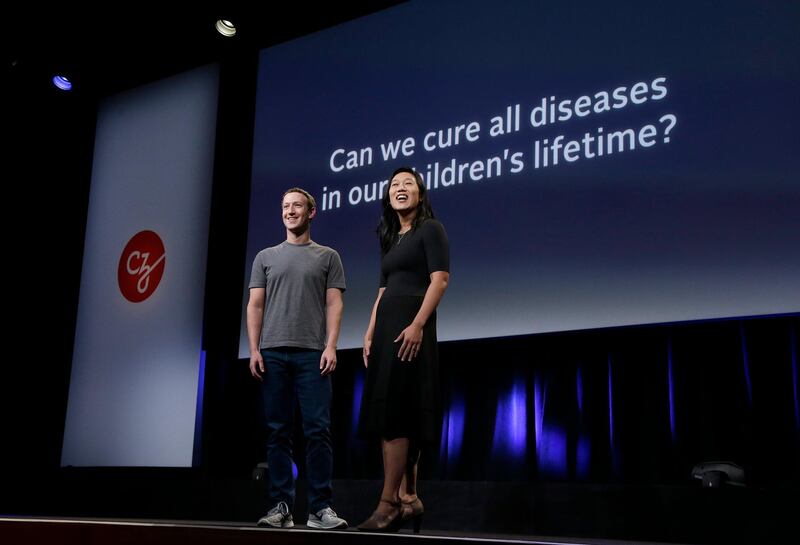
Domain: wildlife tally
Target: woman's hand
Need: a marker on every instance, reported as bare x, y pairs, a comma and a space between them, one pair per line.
412, 340
365, 353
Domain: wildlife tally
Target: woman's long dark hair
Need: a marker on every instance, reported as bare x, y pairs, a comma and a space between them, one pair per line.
389, 224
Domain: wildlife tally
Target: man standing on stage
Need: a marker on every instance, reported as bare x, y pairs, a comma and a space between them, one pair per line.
293, 353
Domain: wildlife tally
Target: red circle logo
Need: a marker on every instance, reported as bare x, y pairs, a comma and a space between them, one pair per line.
141, 266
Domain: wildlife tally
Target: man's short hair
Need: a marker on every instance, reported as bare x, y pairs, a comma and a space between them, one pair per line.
312, 203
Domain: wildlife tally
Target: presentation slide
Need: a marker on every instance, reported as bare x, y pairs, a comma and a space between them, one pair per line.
594, 164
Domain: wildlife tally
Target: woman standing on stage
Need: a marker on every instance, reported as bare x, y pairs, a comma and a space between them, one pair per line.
400, 402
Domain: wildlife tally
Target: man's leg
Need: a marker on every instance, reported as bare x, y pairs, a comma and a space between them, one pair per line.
279, 411
314, 395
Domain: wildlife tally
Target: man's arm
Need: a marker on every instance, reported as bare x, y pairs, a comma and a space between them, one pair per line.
334, 307
255, 319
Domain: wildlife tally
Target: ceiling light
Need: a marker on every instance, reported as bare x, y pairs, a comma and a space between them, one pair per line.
62, 83
225, 28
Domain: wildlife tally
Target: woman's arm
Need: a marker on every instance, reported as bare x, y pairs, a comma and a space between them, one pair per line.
371, 327
412, 335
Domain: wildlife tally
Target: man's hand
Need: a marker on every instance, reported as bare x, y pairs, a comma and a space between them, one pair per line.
327, 363
256, 365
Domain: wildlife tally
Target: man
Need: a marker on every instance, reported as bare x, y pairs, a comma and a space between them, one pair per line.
293, 353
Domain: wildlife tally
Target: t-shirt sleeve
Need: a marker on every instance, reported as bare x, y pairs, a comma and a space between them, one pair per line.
336, 272
437, 248
257, 277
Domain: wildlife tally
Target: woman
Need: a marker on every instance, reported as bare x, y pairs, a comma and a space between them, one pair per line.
399, 405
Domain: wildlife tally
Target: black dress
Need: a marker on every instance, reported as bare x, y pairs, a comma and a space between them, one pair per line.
401, 397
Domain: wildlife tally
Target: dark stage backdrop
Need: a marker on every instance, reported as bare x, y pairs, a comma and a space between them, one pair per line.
595, 165
636, 405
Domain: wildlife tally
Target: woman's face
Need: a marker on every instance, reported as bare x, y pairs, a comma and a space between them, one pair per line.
404, 192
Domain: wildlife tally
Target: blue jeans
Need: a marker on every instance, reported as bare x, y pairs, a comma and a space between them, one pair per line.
294, 372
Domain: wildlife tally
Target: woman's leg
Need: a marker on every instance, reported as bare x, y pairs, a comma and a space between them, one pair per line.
408, 486
395, 456
388, 514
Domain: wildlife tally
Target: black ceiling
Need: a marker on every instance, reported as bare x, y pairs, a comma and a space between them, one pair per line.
120, 46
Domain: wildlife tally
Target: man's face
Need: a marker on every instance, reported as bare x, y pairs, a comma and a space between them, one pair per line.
295, 212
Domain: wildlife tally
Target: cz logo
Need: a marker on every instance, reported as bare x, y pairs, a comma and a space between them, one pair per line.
141, 266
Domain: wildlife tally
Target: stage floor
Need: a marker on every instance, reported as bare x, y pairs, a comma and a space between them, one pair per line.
74, 531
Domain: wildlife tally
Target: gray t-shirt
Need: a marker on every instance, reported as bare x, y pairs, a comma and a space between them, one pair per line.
296, 278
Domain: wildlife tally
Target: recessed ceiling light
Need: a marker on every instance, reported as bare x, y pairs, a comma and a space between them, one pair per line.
226, 28
62, 83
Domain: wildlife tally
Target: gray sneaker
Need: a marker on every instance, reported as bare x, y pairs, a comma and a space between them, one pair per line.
278, 517
326, 519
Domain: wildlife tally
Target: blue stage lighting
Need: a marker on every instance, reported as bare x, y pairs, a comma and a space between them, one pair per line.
62, 83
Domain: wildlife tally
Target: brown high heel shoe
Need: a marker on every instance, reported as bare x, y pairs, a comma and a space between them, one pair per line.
378, 522
413, 511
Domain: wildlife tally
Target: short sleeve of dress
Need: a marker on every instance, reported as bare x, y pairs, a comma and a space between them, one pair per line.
437, 247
